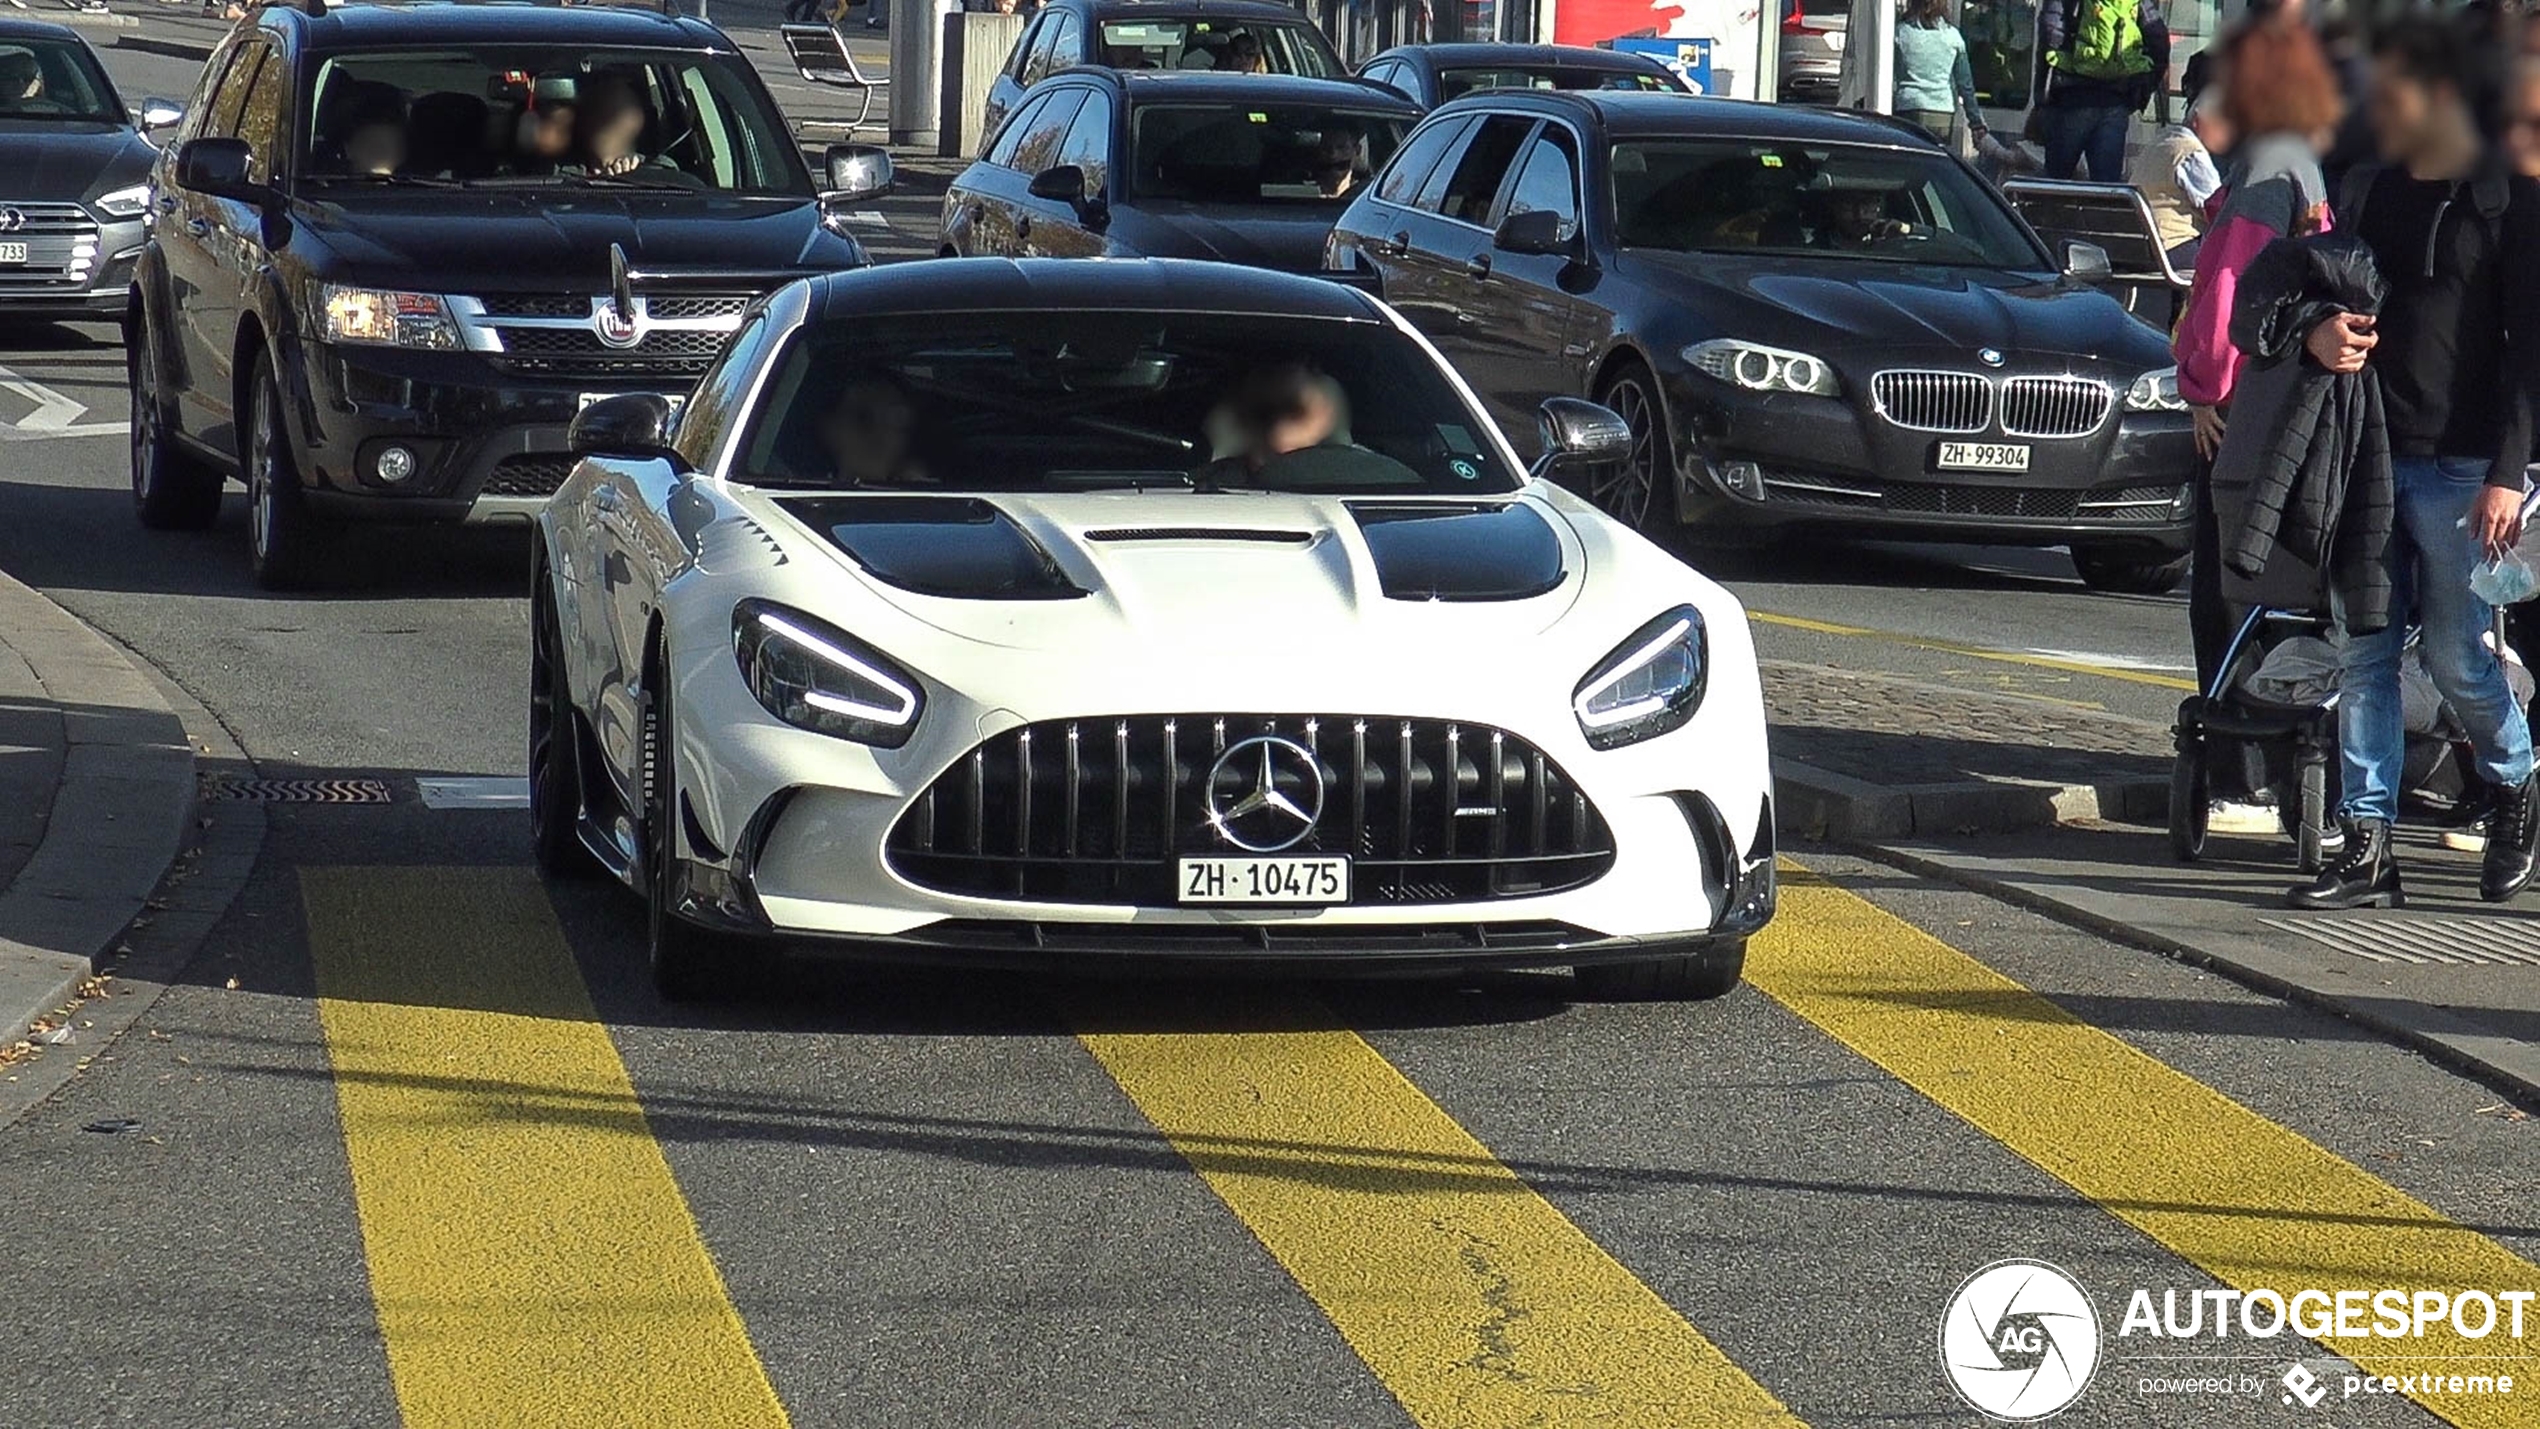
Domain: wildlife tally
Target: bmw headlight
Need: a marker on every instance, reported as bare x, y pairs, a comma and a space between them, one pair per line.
1652, 683
820, 678
1758, 368
2155, 391
386, 318
123, 203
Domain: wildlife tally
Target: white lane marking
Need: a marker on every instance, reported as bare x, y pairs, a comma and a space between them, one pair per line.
54, 416
2114, 662
477, 792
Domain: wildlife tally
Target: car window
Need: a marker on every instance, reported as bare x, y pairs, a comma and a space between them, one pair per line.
1267, 153
260, 118
534, 116
1466, 188
43, 78
1234, 45
240, 78
1001, 153
1548, 181
1088, 141
1067, 45
1855, 203
1081, 401
1403, 177
1037, 149
1453, 82
716, 401
1030, 39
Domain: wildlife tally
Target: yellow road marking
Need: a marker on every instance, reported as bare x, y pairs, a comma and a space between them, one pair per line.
1473, 1300
533, 1261
2252, 1202
1974, 652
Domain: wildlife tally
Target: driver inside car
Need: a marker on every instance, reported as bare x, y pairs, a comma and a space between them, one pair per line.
609, 126
21, 83
1274, 412
868, 434
1852, 218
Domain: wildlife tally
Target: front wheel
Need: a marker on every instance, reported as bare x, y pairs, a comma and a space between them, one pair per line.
1637, 490
171, 490
2128, 572
1685, 978
284, 540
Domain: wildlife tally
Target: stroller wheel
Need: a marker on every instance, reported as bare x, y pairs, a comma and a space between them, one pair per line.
2190, 803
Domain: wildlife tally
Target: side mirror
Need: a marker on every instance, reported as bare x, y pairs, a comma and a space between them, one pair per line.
858, 172
157, 113
1576, 432
1065, 184
223, 168
631, 424
1537, 232
2087, 262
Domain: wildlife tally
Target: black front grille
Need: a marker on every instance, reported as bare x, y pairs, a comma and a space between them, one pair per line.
534, 474
537, 305
574, 351
667, 309
1096, 811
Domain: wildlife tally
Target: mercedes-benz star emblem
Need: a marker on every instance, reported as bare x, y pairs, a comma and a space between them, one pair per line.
1264, 793
1989, 356
12, 219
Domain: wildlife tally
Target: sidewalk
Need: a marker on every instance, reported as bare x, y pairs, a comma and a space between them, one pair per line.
2062, 809
96, 798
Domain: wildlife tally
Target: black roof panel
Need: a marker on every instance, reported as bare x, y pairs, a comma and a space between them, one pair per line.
1076, 284
1645, 114
1150, 86
1530, 56
358, 25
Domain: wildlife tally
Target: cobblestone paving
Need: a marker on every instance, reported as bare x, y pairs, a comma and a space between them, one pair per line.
1900, 733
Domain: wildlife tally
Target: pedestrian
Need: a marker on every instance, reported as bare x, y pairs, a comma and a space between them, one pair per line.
2275, 93
1935, 87
2176, 171
2457, 349
2103, 60
2522, 143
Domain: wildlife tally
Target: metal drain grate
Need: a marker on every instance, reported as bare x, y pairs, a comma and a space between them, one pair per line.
298, 791
2462, 942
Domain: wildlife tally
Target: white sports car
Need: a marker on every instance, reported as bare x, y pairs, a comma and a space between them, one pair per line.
1041, 613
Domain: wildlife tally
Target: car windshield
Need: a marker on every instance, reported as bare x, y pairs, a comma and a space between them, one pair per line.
1852, 203
1236, 46
1452, 82
1091, 401
1270, 153
504, 116
53, 79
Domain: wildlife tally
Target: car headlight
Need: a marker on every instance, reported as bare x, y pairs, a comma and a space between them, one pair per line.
124, 203
386, 318
822, 679
1652, 683
1758, 368
2155, 391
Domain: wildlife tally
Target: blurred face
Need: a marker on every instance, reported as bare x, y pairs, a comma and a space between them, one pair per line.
376, 148
2522, 122
2212, 130
19, 77
2402, 110
1311, 424
614, 123
866, 434
547, 133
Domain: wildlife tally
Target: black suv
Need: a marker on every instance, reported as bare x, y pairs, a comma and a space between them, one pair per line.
394, 250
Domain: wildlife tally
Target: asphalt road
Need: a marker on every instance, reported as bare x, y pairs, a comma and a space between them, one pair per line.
414, 1139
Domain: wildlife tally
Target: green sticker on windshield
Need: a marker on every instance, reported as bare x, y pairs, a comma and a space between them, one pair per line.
1770, 161
1258, 117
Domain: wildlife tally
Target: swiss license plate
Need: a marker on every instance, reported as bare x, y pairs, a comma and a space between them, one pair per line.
12, 253
1983, 456
676, 400
1263, 880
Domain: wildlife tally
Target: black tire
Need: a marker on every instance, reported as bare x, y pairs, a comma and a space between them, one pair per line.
2311, 810
171, 489
1640, 490
688, 963
2124, 571
555, 754
2190, 804
284, 541
1688, 978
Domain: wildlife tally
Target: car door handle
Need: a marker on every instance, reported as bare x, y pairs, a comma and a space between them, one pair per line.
1477, 266
199, 227
1393, 247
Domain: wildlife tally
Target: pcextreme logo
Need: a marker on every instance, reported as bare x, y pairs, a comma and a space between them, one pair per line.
2020, 1340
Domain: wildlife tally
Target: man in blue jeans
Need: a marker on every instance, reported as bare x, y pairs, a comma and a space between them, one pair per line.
2104, 58
2457, 350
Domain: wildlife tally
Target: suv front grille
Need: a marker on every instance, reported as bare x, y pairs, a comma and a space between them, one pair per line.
529, 474
578, 352
1097, 810
61, 248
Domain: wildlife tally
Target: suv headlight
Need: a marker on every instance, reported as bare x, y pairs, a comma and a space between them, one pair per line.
822, 679
1758, 368
385, 318
2155, 391
1652, 683
124, 203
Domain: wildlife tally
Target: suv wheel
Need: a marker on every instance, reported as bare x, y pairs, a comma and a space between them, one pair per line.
171, 491
1637, 489
283, 538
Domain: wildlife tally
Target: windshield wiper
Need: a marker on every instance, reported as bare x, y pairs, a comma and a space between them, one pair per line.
415, 180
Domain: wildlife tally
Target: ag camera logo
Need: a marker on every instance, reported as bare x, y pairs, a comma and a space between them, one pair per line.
2020, 1340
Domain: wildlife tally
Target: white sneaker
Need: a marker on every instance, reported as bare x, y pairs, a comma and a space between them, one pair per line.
2237, 816
2471, 839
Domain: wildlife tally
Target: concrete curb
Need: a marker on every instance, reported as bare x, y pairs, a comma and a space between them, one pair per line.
86, 19
1817, 803
2511, 1066
118, 813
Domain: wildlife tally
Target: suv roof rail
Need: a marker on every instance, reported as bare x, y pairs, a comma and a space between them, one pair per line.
320, 9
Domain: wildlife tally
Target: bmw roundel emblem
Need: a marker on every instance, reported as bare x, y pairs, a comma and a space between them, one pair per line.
1989, 356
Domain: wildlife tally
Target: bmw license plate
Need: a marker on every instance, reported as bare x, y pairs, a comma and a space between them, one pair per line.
1983, 456
1263, 880
12, 253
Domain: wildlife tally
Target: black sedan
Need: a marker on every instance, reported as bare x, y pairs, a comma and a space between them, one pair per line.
1247, 169
1430, 75
1212, 36
74, 176
1809, 318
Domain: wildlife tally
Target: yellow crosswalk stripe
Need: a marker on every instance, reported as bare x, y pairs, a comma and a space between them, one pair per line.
532, 1259
2253, 1203
1974, 652
1470, 1297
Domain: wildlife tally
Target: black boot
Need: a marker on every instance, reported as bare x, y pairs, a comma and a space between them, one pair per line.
2512, 824
2364, 875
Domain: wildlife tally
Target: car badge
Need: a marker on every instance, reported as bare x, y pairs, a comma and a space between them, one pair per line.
615, 330
1265, 793
1989, 356
12, 219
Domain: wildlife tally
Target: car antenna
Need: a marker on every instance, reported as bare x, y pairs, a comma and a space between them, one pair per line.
621, 287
